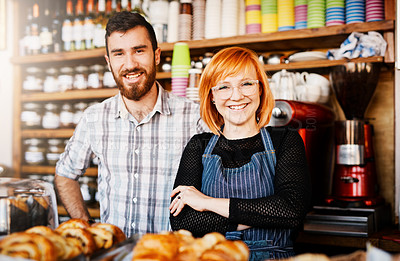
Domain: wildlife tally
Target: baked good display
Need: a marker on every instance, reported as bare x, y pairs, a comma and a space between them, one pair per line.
30, 246
72, 238
181, 245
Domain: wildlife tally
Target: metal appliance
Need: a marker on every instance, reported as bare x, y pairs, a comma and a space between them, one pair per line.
315, 124
354, 179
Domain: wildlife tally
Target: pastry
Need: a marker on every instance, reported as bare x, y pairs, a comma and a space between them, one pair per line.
118, 235
85, 238
32, 246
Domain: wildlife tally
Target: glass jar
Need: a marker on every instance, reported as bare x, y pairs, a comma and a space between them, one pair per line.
206, 59
166, 65
67, 116
54, 150
34, 80
108, 79
95, 77
88, 186
66, 79
51, 82
79, 108
31, 115
51, 116
34, 152
81, 77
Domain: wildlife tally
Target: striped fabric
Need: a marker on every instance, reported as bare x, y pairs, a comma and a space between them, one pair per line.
252, 180
138, 162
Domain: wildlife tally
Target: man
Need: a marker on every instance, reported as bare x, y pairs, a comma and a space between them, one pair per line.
137, 136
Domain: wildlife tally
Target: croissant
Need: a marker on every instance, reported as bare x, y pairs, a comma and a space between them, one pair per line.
58, 241
85, 238
73, 223
156, 247
32, 246
227, 251
182, 246
194, 250
102, 237
118, 235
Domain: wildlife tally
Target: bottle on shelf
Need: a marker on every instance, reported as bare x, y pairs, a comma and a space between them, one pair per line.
137, 7
67, 28
126, 5
118, 6
34, 43
25, 39
100, 23
56, 27
45, 36
89, 26
78, 35
109, 12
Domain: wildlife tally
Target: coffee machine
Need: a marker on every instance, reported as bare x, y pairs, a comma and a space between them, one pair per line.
315, 124
354, 179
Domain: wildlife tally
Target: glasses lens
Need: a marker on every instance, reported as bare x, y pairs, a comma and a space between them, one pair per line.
224, 91
248, 87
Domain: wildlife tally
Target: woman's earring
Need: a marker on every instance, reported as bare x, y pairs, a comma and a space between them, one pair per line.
213, 102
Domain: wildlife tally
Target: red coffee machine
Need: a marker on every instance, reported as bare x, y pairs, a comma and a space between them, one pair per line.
315, 124
354, 179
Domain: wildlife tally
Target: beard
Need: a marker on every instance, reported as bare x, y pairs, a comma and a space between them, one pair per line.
135, 91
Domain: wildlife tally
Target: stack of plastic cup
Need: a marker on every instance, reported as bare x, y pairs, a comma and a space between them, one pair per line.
242, 18
335, 14
269, 16
173, 12
253, 16
355, 11
285, 15
180, 68
300, 14
199, 16
316, 13
374, 10
213, 19
158, 15
229, 18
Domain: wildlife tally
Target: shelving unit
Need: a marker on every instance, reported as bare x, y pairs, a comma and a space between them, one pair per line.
294, 40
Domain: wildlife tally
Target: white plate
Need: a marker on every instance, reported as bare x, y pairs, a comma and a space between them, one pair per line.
307, 56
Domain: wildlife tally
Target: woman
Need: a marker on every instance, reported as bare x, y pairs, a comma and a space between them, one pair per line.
243, 180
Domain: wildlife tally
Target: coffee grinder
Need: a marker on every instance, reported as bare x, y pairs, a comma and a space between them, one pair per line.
354, 179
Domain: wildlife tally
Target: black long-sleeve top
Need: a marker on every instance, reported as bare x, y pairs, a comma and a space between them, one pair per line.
285, 209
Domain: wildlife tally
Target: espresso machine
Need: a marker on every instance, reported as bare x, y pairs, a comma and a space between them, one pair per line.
315, 124
354, 208
355, 178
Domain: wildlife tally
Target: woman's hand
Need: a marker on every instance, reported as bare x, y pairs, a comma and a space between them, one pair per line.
187, 196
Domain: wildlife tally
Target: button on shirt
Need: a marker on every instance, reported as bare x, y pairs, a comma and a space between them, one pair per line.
138, 162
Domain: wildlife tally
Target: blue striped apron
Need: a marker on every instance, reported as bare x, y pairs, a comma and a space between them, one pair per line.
252, 180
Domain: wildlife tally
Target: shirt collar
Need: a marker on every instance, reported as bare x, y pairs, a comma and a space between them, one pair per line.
161, 105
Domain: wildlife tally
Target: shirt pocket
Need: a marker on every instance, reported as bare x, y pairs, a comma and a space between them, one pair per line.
117, 157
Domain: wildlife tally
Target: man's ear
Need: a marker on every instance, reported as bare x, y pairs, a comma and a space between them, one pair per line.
108, 62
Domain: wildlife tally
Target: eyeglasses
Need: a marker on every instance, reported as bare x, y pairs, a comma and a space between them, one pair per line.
224, 91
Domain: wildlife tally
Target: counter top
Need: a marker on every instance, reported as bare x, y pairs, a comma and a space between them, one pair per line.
387, 239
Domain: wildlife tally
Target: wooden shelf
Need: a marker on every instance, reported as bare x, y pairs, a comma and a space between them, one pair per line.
314, 38
94, 212
52, 170
47, 133
320, 63
70, 95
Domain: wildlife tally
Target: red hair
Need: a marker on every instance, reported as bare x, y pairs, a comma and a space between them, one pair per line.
232, 61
